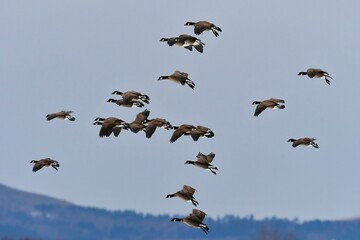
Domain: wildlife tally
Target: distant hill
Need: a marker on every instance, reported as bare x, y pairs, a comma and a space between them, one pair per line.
35, 216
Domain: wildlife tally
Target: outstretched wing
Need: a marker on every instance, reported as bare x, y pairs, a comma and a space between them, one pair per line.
188, 190
260, 108
199, 214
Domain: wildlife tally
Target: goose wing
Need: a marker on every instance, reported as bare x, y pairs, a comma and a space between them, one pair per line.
202, 158
188, 190
312, 72
177, 134
181, 73
262, 106
300, 141
198, 214
142, 116
129, 96
210, 157
201, 26
277, 100
181, 130
150, 128
108, 126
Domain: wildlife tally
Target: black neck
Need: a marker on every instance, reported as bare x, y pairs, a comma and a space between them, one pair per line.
170, 195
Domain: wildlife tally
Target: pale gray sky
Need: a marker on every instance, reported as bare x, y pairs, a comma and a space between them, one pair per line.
71, 55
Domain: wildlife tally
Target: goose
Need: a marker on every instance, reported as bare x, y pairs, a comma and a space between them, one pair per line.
304, 142
181, 130
201, 131
61, 115
195, 220
133, 95
179, 77
156, 123
139, 123
317, 73
110, 125
272, 103
188, 41
202, 26
46, 162
204, 161
186, 194
128, 104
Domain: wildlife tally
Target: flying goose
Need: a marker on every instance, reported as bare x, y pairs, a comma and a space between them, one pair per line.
201, 26
46, 162
317, 73
194, 220
183, 129
61, 115
204, 161
186, 41
110, 125
133, 95
304, 142
139, 123
272, 103
179, 77
156, 123
128, 104
186, 193
201, 131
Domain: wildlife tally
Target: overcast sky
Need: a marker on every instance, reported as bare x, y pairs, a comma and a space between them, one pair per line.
71, 55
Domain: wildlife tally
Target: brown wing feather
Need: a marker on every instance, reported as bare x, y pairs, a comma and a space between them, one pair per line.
182, 73
129, 96
210, 157
188, 189
178, 78
312, 72
51, 116
277, 100
176, 135
260, 108
201, 26
202, 158
142, 116
171, 41
116, 131
37, 166
196, 134
297, 142
107, 129
150, 129
199, 214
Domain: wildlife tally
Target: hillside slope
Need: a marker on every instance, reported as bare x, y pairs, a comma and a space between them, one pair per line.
24, 214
